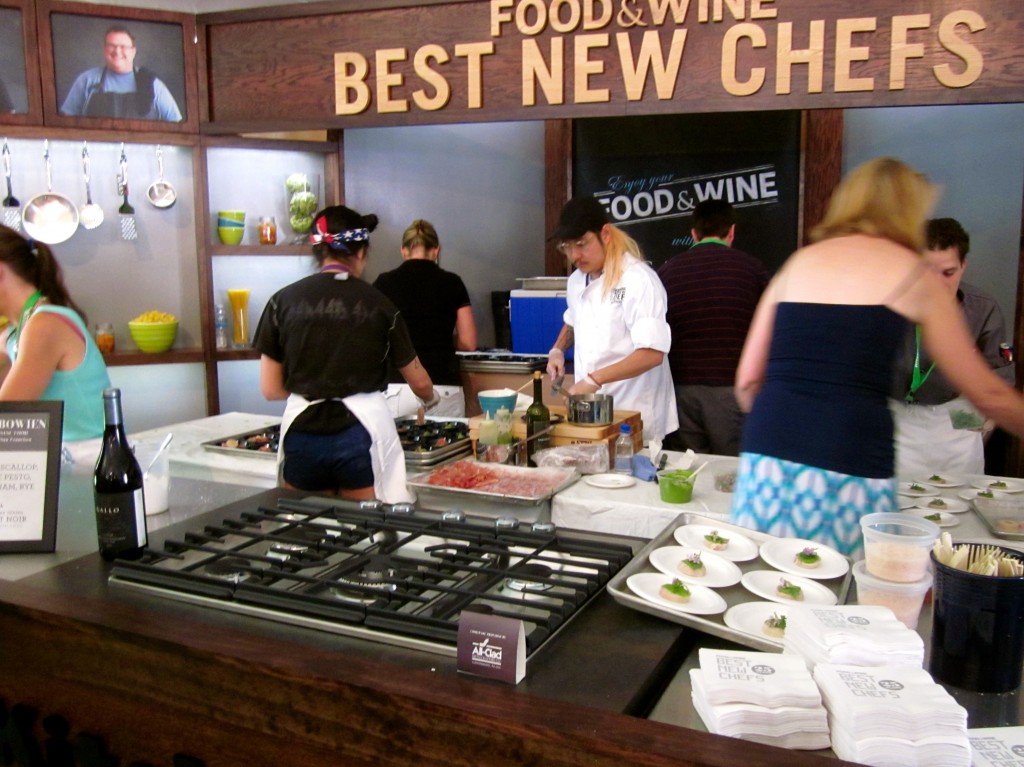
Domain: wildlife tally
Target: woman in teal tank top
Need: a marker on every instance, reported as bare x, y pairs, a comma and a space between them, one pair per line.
49, 354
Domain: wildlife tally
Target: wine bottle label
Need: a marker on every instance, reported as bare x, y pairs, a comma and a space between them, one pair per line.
121, 520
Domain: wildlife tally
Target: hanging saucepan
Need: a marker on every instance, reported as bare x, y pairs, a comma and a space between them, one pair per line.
90, 214
160, 193
590, 409
49, 217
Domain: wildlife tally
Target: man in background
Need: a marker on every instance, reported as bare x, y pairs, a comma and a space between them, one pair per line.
937, 430
118, 88
712, 290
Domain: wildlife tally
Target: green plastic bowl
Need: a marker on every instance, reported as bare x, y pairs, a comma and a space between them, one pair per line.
230, 235
153, 336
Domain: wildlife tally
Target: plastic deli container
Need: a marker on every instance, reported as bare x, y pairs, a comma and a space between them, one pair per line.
897, 546
904, 599
675, 485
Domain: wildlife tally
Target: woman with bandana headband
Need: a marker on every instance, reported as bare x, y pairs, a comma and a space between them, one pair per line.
325, 344
49, 352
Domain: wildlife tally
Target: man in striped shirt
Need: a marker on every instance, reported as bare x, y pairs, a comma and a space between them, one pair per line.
712, 290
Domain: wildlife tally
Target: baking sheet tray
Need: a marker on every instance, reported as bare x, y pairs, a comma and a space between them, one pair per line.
444, 498
733, 595
1004, 517
217, 446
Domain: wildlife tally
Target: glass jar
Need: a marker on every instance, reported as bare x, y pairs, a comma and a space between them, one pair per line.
267, 228
105, 337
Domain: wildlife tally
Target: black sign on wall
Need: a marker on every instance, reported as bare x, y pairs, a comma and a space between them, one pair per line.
651, 171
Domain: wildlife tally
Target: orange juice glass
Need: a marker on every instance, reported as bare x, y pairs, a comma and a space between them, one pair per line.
239, 298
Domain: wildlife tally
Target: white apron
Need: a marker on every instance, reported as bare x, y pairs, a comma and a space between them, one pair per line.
927, 443
386, 454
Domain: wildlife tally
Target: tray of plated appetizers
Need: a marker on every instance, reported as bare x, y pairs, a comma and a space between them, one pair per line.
729, 581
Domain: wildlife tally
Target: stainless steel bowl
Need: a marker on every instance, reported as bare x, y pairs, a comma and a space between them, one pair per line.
591, 409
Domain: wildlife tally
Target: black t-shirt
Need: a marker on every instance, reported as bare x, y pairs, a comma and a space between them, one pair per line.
334, 337
429, 299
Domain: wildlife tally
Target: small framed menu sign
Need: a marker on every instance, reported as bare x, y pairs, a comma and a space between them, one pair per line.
492, 646
30, 448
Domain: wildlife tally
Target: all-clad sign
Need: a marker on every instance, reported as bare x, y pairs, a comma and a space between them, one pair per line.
492, 646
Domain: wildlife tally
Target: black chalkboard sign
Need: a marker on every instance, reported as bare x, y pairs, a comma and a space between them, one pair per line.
650, 172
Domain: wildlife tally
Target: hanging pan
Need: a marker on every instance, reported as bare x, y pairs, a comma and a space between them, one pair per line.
160, 193
49, 217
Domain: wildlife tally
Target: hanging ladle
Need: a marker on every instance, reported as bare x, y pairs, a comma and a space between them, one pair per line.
90, 214
160, 193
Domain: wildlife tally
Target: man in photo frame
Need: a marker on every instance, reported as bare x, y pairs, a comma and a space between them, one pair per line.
119, 88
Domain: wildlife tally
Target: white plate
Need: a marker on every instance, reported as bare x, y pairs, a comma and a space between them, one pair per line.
780, 553
970, 495
610, 481
906, 502
945, 518
907, 488
740, 548
764, 582
703, 601
720, 571
749, 617
953, 505
985, 483
943, 480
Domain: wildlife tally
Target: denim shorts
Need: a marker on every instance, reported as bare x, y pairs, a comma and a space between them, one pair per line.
328, 461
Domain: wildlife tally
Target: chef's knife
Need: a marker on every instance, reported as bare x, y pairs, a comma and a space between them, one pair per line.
556, 385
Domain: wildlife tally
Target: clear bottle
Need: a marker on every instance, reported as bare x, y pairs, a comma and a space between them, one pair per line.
624, 450
117, 488
220, 325
538, 419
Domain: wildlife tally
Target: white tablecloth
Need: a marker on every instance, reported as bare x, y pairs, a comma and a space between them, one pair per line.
639, 510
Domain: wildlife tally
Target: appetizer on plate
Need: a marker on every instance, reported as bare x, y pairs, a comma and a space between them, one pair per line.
789, 590
676, 591
938, 503
692, 566
715, 542
774, 626
807, 557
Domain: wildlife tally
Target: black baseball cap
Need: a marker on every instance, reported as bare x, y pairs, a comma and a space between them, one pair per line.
579, 216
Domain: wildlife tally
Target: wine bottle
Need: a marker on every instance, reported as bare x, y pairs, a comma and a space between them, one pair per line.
117, 486
538, 421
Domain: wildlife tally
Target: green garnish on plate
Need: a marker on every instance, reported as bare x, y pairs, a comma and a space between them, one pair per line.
936, 478
998, 484
714, 537
986, 494
791, 590
693, 561
677, 587
808, 555
918, 488
933, 517
937, 503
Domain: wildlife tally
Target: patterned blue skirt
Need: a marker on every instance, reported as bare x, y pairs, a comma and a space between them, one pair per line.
791, 500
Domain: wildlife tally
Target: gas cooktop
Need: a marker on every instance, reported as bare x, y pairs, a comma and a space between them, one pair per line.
501, 361
391, 573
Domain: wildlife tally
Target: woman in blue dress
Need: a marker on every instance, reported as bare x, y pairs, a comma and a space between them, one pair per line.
817, 451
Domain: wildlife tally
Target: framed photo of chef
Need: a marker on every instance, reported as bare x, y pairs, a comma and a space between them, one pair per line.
20, 101
107, 67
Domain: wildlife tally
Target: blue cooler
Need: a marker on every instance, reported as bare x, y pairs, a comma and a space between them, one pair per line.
536, 319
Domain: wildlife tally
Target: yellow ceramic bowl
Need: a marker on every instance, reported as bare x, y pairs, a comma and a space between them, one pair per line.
153, 336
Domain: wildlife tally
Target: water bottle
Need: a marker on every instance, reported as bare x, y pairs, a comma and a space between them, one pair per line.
220, 324
624, 450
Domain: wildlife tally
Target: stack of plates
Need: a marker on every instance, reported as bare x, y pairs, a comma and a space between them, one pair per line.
763, 697
892, 715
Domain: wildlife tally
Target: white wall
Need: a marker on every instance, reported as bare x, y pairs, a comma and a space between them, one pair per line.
977, 154
481, 185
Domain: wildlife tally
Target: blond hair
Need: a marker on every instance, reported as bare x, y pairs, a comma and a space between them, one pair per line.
882, 197
619, 244
421, 232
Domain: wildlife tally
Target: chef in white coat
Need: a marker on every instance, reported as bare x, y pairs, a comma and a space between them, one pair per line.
615, 319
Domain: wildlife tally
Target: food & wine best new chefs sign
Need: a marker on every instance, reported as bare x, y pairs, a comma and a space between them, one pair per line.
546, 58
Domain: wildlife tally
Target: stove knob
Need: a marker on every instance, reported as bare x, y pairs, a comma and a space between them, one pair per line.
456, 516
374, 505
542, 527
403, 509
506, 523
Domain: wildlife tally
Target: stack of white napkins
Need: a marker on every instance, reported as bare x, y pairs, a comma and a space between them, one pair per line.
894, 716
857, 635
760, 696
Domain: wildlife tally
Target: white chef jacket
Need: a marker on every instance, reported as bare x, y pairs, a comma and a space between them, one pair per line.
927, 443
609, 327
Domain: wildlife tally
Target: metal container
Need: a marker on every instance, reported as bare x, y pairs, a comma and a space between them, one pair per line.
591, 409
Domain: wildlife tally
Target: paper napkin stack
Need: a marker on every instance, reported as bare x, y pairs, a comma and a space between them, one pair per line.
892, 716
759, 696
857, 635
